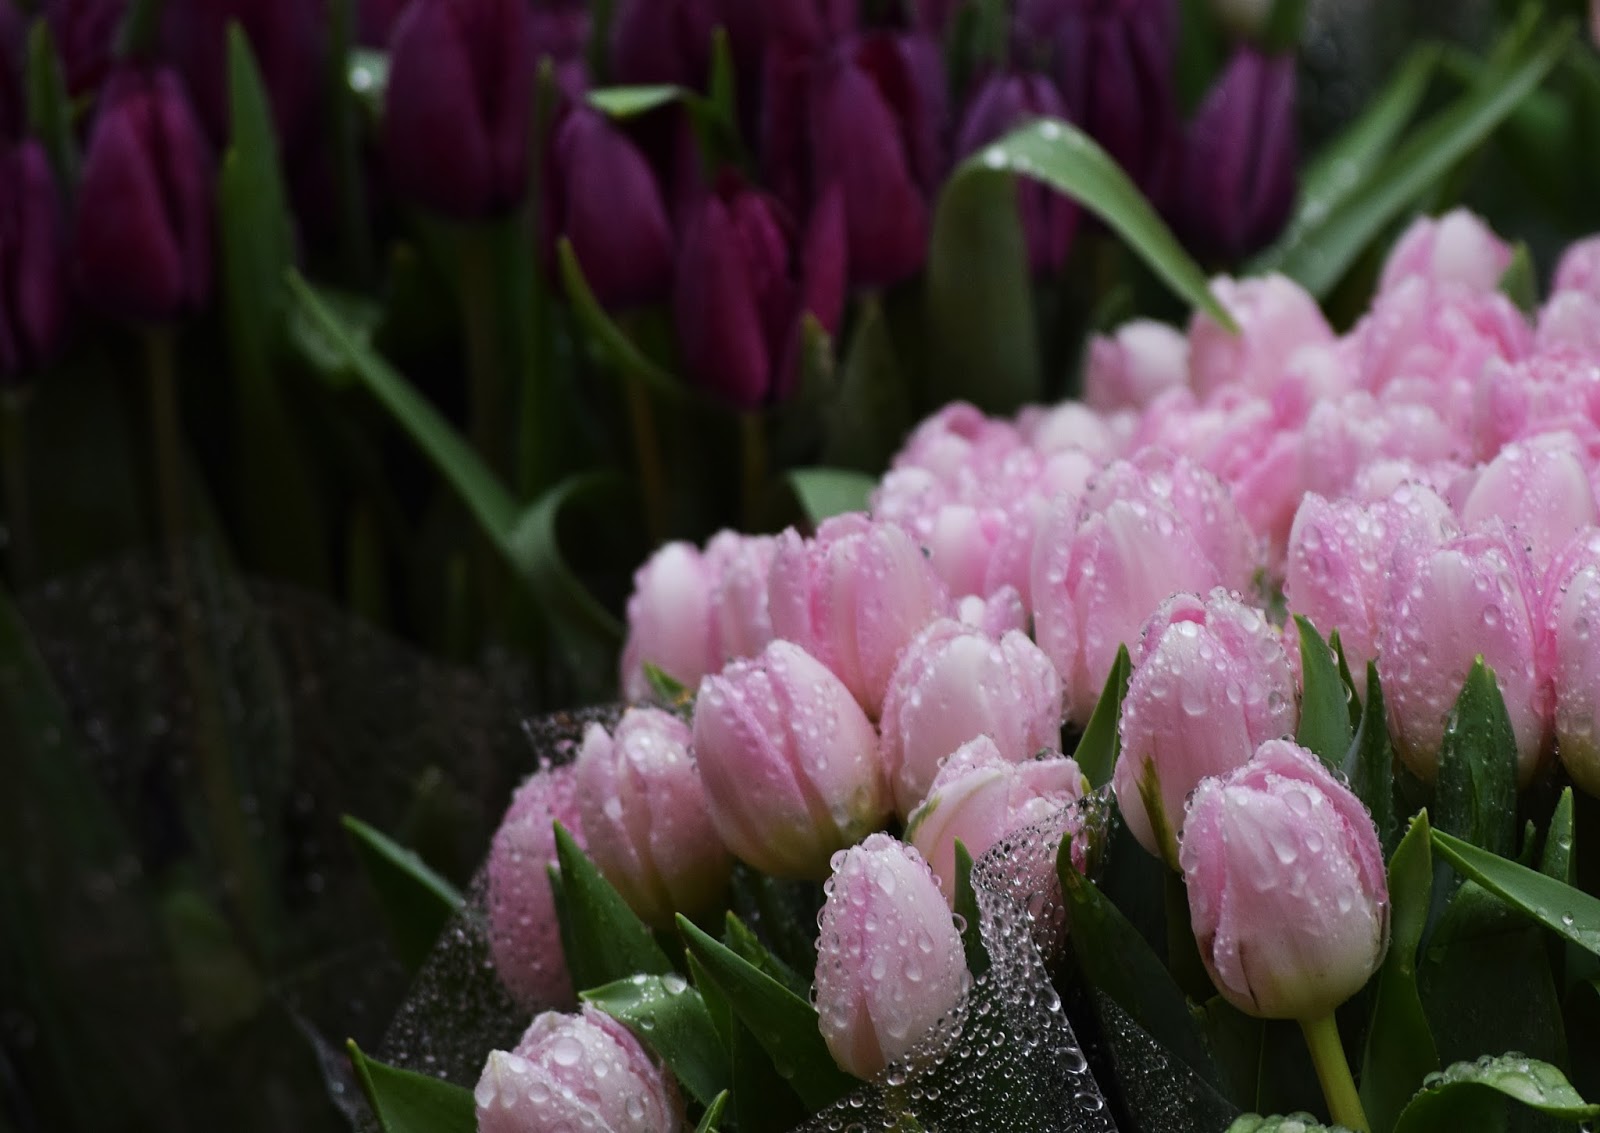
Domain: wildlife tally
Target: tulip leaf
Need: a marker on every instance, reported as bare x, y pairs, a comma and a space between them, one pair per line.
670, 1018
407, 1102
1352, 696
1399, 1051
1318, 252
783, 1023
416, 902
1556, 860
1101, 743
1476, 796
966, 907
1472, 1096
367, 76
139, 33
711, 1121
1520, 281
1292, 1123
1568, 912
744, 943
632, 101
609, 942
763, 1102
604, 334
1324, 709
826, 492
1369, 765
49, 105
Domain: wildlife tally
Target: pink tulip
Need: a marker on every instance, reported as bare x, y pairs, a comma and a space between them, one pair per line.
789, 761
1130, 369
854, 597
955, 683
646, 819
1456, 249
1573, 628
1276, 320
997, 615
740, 565
1211, 685
980, 796
1287, 891
1579, 269
1437, 336
891, 974
582, 1071
1071, 427
961, 539
1541, 394
1473, 596
670, 621
524, 940
1569, 322
1540, 489
1343, 436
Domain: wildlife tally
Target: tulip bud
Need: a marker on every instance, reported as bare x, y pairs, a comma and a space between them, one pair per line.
645, 817
604, 197
854, 597
1473, 596
1211, 685
1540, 489
746, 280
1277, 319
1456, 249
13, 50
1130, 369
456, 123
979, 797
1241, 158
1002, 103
1439, 335
524, 938
1573, 625
33, 299
1287, 891
662, 41
582, 1071
891, 974
789, 761
670, 621
375, 20
142, 231
740, 564
1579, 268
955, 683
85, 34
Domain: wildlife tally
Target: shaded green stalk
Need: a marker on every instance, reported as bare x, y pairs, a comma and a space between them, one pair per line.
1333, 1071
14, 469
647, 450
753, 466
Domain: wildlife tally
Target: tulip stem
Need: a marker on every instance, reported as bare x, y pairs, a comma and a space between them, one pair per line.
1333, 1071
14, 453
166, 434
481, 325
647, 447
753, 448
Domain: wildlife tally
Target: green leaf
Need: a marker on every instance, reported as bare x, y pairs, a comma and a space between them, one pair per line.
1469, 1095
869, 414
630, 102
1101, 744
1476, 796
667, 689
1569, 913
1293, 1123
966, 907
1369, 765
782, 1023
415, 901
407, 1102
712, 1121
1520, 281
1318, 253
1352, 695
763, 1102
140, 30
49, 105
1324, 712
533, 545
748, 947
1556, 860
1399, 1050
609, 941
670, 1018
827, 492
1345, 164
367, 75
604, 334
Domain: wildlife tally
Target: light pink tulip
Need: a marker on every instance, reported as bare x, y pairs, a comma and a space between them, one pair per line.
739, 566
1344, 436
1542, 394
1437, 336
646, 818
891, 974
854, 597
997, 615
979, 797
955, 683
789, 761
958, 442
524, 939
1071, 426
1131, 368
961, 541
1287, 891
1579, 269
582, 1071
1456, 249
1540, 489
1211, 684
1573, 628
670, 621
1569, 323
1277, 319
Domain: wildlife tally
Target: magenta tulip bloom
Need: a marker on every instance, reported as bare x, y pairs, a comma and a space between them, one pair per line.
891, 974
1457, 249
1134, 366
955, 683
583, 1071
524, 938
1287, 890
670, 621
1277, 319
789, 761
1573, 626
1211, 685
980, 796
662, 41
85, 32
646, 819
33, 294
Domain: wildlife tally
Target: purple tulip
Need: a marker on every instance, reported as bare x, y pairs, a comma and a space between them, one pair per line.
13, 56
662, 41
1287, 890
33, 299
1004, 102
456, 125
86, 33
746, 281
1241, 158
142, 232
375, 20
891, 974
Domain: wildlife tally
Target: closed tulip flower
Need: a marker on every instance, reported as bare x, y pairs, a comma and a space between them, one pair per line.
1457, 249
85, 32
662, 41
670, 621
980, 796
1134, 366
1538, 488
33, 299
583, 1071
460, 92
955, 683
740, 565
891, 973
1212, 683
747, 277
1287, 890
524, 939
142, 231
1277, 319
1573, 626
789, 761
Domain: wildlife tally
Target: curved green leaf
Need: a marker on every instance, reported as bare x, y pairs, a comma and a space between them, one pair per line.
827, 492
415, 901
408, 1102
1462, 1098
712, 1121
608, 940
671, 1019
535, 550
49, 105
1476, 797
1569, 913
1101, 743
629, 102
1369, 766
1324, 709
367, 76
1293, 1123
605, 334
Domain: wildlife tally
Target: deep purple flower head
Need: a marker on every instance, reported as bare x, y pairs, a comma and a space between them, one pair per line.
32, 278
85, 32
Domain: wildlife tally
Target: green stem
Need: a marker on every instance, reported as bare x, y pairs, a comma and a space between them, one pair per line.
753, 452
1333, 1071
14, 454
166, 435
647, 447
485, 362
